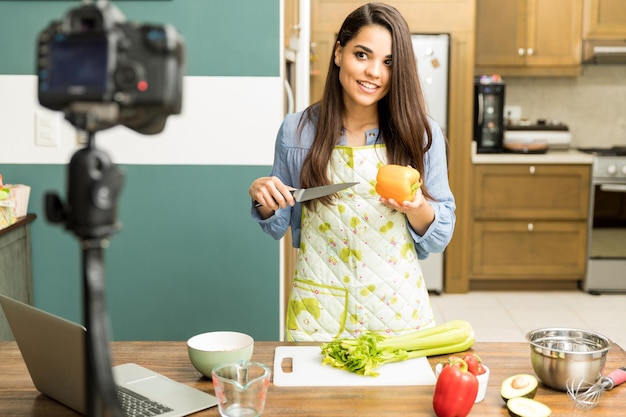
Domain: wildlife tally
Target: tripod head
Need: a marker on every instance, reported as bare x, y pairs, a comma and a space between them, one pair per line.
93, 186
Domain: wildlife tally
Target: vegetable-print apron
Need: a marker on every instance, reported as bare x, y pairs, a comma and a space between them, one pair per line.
357, 268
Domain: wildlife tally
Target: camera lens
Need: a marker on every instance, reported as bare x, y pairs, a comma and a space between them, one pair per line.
87, 24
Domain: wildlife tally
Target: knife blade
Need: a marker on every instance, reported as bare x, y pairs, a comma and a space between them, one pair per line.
305, 194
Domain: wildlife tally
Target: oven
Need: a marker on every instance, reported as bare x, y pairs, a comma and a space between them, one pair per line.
606, 266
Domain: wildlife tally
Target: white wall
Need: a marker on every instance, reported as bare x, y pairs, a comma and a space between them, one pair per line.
225, 121
593, 104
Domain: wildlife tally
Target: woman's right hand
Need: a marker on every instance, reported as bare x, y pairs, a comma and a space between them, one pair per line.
271, 193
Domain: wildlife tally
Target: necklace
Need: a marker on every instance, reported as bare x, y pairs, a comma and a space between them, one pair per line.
359, 137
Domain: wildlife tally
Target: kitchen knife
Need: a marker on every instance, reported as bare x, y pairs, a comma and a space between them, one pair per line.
305, 194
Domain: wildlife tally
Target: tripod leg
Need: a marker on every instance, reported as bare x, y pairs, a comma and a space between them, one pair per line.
101, 388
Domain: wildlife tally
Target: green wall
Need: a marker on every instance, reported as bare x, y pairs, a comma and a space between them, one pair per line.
188, 258
222, 37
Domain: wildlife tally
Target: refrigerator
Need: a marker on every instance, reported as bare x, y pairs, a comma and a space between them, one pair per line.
432, 53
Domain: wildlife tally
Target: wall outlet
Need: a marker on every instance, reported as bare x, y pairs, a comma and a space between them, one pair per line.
512, 112
47, 129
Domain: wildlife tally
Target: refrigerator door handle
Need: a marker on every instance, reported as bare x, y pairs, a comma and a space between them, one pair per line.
291, 102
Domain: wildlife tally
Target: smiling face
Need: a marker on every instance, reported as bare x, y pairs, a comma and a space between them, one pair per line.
365, 66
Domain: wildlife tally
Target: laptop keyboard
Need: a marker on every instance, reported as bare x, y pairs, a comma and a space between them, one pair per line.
135, 405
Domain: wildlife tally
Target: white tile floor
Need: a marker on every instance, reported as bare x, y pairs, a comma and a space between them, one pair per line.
507, 316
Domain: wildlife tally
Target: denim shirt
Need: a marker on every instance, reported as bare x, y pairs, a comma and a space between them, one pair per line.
290, 151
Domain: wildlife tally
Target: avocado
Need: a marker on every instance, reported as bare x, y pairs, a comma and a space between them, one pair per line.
526, 407
519, 385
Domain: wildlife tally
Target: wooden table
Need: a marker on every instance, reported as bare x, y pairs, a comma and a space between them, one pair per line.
18, 397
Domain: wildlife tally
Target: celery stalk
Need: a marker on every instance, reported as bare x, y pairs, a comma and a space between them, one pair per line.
444, 334
364, 354
430, 331
444, 350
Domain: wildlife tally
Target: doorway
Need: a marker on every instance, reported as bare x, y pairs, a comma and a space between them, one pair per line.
296, 76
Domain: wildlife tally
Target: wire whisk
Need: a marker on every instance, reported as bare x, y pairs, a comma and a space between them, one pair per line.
587, 395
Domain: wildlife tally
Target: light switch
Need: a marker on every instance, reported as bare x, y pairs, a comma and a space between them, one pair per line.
47, 129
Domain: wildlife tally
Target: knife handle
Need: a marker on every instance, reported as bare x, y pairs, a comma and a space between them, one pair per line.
257, 204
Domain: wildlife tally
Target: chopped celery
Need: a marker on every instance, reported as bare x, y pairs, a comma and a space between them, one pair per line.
363, 355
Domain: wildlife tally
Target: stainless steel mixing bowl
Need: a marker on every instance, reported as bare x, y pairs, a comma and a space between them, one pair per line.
559, 355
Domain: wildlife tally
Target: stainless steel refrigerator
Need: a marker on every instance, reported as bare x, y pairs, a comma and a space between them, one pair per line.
432, 52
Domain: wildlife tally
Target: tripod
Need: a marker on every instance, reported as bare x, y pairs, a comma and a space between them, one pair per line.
93, 183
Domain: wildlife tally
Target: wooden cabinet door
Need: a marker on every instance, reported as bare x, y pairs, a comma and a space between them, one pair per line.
528, 250
605, 19
528, 37
531, 192
500, 32
530, 222
554, 32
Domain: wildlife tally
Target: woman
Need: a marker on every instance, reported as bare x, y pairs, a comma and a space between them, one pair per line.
357, 268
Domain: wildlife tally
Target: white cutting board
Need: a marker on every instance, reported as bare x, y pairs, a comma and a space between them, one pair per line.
308, 371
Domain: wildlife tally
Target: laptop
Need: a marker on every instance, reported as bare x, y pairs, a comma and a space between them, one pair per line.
52, 348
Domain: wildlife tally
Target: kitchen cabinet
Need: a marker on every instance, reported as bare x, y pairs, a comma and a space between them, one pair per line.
16, 278
528, 37
529, 226
604, 19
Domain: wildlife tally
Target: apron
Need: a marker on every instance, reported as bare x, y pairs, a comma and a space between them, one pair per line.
357, 269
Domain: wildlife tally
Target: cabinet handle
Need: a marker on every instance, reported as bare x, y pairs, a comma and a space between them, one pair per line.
520, 51
531, 169
531, 227
530, 51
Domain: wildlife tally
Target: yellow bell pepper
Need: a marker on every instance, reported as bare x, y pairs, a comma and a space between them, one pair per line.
397, 182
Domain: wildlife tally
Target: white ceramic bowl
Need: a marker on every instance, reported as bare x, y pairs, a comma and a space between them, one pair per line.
483, 381
208, 350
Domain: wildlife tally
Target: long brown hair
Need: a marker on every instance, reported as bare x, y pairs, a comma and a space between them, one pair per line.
403, 122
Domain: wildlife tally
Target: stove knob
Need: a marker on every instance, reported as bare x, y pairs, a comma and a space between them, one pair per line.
611, 170
623, 169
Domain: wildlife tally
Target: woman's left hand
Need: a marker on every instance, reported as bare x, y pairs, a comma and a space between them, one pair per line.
419, 212
405, 206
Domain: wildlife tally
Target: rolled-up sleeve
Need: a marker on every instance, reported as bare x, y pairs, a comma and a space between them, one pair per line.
440, 232
289, 154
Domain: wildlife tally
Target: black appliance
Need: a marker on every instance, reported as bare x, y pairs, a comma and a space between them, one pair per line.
489, 113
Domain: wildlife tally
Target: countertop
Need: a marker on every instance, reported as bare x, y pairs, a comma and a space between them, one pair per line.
18, 397
21, 221
557, 156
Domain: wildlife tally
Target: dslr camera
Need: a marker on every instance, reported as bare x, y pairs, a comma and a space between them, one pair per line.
101, 70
